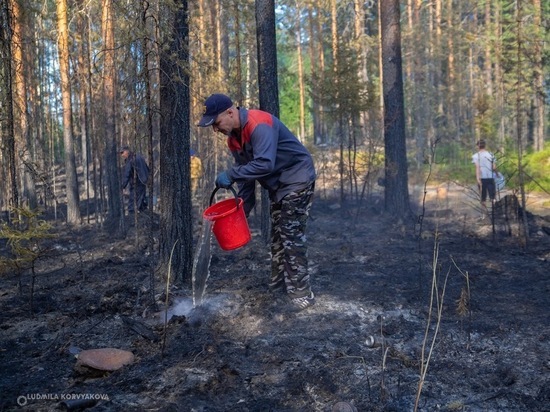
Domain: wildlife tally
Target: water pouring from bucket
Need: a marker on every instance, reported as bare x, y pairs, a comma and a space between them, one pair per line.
230, 226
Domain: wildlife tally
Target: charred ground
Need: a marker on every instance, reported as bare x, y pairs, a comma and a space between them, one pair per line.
244, 350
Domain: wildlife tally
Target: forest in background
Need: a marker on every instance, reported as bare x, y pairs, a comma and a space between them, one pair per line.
462, 301
81, 79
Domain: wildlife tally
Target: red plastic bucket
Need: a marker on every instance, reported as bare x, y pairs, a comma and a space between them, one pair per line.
230, 225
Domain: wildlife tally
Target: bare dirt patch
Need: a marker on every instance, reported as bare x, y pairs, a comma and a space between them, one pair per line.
359, 347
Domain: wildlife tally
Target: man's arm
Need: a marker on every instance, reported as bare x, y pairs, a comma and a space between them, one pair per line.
478, 173
142, 169
127, 174
247, 191
264, 140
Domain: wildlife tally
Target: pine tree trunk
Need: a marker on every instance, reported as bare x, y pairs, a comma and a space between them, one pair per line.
23, 133
115, 208
317, 67
268, 81
175, 182
538, 80
71, 180
301, 82
5, 42
83, 71
396, 181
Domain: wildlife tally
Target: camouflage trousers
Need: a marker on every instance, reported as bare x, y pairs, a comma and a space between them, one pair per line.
289, 268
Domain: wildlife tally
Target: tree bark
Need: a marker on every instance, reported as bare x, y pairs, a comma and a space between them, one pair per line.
396, 181
301, 82
538, 80
451, 76
239, 95
83, 71
519, 120
71, 180
175, 182
115, 208
23, 136
487, 60
268, 81
6, 53
317, 68
149, 78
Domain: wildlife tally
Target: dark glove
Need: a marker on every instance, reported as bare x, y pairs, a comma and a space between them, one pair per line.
223, 180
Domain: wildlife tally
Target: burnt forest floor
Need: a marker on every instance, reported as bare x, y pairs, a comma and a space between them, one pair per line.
484, 339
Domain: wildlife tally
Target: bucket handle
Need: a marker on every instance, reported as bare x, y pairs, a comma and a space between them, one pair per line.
230, 188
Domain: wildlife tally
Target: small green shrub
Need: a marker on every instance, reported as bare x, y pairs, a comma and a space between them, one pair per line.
24, 236
537, 166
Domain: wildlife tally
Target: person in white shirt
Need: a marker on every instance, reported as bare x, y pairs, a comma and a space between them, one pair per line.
485, 167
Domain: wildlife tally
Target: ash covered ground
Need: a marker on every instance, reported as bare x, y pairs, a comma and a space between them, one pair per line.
469, 304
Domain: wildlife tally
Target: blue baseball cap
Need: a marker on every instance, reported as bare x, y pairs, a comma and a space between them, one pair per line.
213, 106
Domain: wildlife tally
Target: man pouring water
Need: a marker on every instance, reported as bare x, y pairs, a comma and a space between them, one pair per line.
266, 151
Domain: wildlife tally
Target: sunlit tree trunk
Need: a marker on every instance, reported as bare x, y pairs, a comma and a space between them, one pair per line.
301, 82
420, 105
6, 53
201, 47
73, 203
499, 82
408, 36
451, 75
430, 94
33, 99
338, 127
487, 60
317, 67
380, 71
213, 46
96, 143
410, 32
109, 102
334, 33
224, 42
436, 58
319, 23
83, 71
473, 73
250, 85
239, 95
362, 52
396, 181
538, 80
23, 135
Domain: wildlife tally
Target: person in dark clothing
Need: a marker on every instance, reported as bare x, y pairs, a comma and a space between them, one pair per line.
135, 175
265, 150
